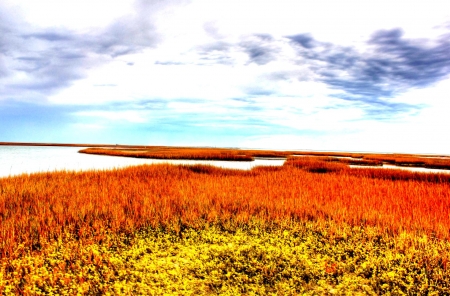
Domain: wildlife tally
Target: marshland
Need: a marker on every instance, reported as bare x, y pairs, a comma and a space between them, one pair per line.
312, 224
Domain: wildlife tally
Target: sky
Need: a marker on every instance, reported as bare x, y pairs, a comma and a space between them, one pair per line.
307, 75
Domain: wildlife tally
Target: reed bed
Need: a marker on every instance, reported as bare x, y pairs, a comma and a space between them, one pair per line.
412, 161
42, 207
328, 154
359, 162
167, 152
346, 161
312, 226
360, 159
173, 153
371, 159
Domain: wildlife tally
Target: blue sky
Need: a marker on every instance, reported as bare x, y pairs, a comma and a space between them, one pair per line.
321, 75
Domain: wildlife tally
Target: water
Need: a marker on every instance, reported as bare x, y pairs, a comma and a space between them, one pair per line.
388, 166
411, 169
16, 160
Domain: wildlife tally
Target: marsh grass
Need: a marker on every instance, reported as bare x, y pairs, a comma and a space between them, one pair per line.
196, 153
412, 161
173, 153
312, 226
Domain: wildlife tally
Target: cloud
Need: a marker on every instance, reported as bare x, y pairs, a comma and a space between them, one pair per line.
257, 49
217, 52
124, 36
369, 77
260, 48
38, 62
391, 65
413, 63
305, 40
6, 26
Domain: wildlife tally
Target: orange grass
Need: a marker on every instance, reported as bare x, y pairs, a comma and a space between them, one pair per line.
348, 161
372, 159
362, 159
361, 162
38, 208
411, 160
335, 154
174, 153
168, 152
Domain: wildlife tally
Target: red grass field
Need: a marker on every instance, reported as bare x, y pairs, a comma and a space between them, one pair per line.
45, 207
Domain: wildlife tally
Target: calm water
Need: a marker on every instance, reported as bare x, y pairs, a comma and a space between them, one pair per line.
16, 160
411, 169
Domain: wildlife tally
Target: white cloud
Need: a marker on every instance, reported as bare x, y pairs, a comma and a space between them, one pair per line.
230, 64
346, 129
341, 22
78, 15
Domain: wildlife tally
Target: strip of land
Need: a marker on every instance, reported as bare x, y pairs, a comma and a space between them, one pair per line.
68, 144
205, 153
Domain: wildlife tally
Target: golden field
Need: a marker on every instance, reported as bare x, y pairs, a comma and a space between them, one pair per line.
313, 226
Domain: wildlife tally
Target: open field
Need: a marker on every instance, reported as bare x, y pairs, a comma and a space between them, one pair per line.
311, 226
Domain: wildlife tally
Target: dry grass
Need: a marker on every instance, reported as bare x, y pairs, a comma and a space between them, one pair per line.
346, 161
330, 154
313, 226
167, 152
361, 159
174, 153
412, 161
45, 207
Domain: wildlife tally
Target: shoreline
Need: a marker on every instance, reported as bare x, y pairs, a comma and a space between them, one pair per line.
33, 144
386, 161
